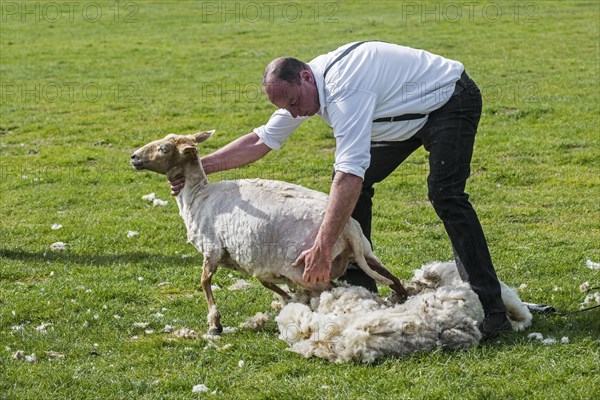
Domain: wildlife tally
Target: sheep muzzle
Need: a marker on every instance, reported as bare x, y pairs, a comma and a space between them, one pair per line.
136, 162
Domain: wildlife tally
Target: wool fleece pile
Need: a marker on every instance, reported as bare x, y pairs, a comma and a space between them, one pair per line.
353, 324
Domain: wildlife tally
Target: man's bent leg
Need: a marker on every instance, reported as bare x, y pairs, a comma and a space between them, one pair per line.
449, 137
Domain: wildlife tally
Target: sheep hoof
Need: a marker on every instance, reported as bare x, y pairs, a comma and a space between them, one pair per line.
215, 331
398, 298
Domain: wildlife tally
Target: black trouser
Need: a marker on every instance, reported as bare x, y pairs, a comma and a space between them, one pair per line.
448, 136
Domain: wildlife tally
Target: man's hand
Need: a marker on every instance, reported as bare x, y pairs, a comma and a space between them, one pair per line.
177, 183
317, 260
317, 264
240, 152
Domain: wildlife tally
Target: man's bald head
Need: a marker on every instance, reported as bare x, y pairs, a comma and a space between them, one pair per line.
290, 84
284, 69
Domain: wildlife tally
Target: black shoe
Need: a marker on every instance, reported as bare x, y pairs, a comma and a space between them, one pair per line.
357, 277
494, 325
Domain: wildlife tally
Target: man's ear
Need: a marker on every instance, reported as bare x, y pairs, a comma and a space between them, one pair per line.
202, 136
306, 75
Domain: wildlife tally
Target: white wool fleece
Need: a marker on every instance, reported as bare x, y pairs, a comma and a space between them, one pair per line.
352, 324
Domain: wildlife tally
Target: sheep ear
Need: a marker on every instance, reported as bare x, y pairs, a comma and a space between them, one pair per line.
202, 136
188, 150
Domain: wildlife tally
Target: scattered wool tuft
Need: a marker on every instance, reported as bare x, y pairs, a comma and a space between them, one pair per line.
56, 227
209, 337
564, 340
591, 298
240, 284
257, 322
353, 324
58, 246
584, 287
200, 389
141, 325
549, 341
156, 202
186, 333
149, 197
54, 354
277, 305
131, 234
167, 329
536, 336
20, 355
592, 264
214, 345
523, 286
241, 363
159, 203
42, 327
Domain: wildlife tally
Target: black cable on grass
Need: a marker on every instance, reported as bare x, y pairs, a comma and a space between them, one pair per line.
549, 310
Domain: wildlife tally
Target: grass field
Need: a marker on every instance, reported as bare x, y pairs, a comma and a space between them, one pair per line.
84, 83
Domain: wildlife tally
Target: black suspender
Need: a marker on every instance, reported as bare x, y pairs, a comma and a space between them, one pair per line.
344, 54
405, 117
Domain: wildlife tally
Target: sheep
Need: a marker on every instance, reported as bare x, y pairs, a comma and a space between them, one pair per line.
351, 324
258, 227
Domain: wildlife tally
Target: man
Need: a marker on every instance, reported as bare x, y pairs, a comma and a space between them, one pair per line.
383, 101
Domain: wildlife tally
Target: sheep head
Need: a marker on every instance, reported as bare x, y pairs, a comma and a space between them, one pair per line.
167, 156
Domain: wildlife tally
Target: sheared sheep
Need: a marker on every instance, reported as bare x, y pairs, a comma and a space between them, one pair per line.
258, 227
352, 324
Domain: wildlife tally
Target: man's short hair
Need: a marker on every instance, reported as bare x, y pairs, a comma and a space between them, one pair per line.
286, 69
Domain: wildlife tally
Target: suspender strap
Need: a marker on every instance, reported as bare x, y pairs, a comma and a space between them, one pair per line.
405, 117
344, 54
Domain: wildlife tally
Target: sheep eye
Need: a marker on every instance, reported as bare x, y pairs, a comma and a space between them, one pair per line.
165, 148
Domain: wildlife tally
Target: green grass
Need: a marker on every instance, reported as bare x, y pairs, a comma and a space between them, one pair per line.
78, 96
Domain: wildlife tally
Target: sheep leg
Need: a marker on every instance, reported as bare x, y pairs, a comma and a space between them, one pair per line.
214, 317
276, 289
396, 286
369, 263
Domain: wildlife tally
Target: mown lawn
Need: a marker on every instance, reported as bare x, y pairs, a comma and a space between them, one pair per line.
82, 84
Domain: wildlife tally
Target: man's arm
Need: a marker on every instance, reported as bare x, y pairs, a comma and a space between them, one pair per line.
345, 190
240, 152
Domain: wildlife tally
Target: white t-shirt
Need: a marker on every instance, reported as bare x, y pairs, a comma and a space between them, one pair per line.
374, 80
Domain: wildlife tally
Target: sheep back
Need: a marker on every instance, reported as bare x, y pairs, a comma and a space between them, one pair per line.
257, 226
